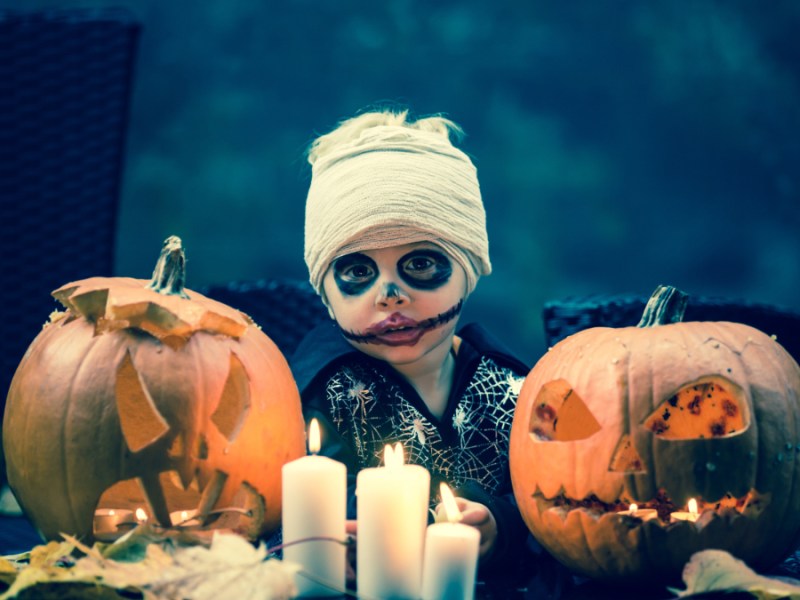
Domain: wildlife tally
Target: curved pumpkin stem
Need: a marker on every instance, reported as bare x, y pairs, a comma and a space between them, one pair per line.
665, 306
169, 276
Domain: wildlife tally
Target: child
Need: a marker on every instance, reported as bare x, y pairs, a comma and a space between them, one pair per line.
395, 241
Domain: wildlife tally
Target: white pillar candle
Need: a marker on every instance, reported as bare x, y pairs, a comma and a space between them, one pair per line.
314, 505
451, 556
392, 515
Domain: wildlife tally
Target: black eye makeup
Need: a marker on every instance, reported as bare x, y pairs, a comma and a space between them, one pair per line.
425, 268
354, 273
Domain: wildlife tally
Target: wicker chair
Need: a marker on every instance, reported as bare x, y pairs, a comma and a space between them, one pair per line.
568, 315
65, 81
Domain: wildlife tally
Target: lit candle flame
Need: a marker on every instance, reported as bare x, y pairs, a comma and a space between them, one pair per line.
692, 505
393, 457
184, 515
314, 443
633, 508
141, 515
450, 506
388, 455
399, 455
111, 512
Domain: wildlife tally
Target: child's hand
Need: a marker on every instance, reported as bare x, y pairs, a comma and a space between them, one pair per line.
480, 517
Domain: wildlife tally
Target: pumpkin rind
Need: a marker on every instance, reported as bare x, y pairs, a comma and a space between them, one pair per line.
623, 375
64, 436
123, 302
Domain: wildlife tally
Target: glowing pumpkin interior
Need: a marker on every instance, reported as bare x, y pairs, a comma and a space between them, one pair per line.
710, 408
188, 488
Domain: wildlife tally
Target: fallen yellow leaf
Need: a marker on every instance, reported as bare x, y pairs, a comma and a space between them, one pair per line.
717, 570
7, 566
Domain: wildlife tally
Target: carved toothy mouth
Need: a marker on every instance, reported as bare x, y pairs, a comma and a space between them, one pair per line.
164, 496
750, 505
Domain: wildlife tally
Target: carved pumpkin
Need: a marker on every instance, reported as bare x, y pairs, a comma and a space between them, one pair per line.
656, 415
146, 395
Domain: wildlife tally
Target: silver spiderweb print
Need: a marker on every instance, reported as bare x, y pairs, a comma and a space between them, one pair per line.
373, 414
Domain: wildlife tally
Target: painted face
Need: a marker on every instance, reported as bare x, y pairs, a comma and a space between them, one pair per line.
397, 304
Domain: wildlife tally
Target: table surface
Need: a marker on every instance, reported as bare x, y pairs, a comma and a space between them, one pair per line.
543, 579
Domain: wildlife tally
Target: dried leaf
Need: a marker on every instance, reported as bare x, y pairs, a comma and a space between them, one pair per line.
8, 573
74, 591
50, 553
31, 576
7, 566
717, 570
231, 568
132, 547
45, 563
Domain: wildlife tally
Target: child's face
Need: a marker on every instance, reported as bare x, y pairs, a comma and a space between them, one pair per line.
397, 304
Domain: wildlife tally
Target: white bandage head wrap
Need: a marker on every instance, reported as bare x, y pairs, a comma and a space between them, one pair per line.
379, 181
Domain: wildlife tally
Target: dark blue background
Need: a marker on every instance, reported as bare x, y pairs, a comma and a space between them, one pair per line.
619, 144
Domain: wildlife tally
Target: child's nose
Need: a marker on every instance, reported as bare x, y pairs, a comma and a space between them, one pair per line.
390, 294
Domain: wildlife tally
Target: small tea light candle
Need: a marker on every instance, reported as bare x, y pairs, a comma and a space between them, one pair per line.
184, 518
645, 514
392, 516
451, 555
314, 505
141, 516
690, 515
107, 521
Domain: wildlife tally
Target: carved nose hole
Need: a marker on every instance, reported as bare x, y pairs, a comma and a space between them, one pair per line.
626, 459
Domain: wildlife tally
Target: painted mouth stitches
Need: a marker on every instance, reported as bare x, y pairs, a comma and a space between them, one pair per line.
399, 323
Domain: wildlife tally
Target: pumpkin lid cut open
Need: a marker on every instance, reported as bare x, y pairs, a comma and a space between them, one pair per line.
158, 307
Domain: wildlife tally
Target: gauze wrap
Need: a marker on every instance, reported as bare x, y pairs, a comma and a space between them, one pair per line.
391, 186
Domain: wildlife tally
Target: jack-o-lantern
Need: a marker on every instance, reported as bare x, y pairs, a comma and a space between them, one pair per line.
658, 415
144, 395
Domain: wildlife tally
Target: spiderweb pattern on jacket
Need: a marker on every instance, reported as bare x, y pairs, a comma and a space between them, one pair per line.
371, 410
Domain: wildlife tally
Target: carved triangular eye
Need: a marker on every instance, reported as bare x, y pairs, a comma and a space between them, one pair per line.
626, 459
141, 423
234, 403
711, 407
561, 415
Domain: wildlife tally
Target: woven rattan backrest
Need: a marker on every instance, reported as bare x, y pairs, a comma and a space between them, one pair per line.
65, 81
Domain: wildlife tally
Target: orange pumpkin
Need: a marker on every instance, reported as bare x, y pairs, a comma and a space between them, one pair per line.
146, 395
657, 415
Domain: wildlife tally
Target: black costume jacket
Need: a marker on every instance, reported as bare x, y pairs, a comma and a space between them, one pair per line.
363, 404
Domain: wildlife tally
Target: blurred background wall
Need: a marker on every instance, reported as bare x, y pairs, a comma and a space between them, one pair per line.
619, 144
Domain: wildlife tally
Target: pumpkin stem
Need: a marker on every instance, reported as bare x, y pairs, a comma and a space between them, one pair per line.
666, 305
169, 276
